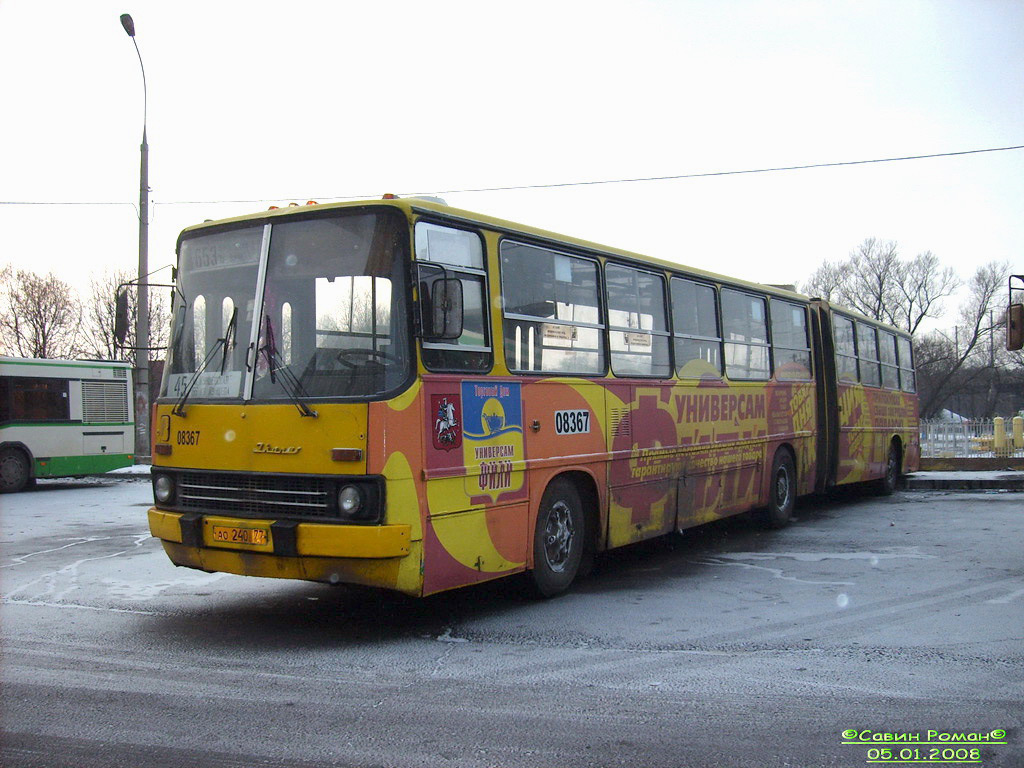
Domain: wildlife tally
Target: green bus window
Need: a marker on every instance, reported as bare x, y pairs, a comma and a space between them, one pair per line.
37, 399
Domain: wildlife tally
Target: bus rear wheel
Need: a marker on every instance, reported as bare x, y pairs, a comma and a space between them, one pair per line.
14, 471
782, 491
558, 539
887, 483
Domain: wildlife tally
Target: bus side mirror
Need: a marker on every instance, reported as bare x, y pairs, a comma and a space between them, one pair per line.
446, 313
120, 316
1015, 327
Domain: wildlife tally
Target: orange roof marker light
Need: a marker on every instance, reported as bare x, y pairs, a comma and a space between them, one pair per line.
390, 196
312, 202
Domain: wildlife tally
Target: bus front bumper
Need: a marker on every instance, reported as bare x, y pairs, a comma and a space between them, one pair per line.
374, 555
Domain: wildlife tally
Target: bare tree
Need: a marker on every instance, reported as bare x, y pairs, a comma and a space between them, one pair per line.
826, 282
922, 285
876, 282
40, 316
872, 274
980, 316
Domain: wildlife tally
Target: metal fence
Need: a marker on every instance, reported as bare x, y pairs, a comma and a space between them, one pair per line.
973, 438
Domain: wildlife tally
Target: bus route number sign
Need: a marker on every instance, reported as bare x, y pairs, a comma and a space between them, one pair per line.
572, 422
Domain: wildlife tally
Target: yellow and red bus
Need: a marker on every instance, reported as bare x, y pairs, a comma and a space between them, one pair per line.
401, 394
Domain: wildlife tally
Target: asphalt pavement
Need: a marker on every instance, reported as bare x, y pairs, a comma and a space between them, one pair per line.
868, 624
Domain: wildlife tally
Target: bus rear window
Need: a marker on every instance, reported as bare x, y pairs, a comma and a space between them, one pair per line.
28, 399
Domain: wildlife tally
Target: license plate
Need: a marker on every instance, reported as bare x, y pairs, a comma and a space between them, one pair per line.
232, 534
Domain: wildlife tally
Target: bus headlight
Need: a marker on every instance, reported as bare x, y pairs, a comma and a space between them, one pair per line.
163, 488
350, 501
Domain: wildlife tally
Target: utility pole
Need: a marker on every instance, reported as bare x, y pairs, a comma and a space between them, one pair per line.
142, 318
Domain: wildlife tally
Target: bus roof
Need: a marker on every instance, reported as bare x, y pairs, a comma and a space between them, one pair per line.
26, 363
412, 206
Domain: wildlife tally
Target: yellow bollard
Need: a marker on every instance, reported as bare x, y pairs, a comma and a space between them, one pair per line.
999, 439
1018, 432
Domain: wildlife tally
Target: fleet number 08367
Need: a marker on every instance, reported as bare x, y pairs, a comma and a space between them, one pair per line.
572, 422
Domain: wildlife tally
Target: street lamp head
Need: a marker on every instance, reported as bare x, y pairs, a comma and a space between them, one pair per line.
128, 24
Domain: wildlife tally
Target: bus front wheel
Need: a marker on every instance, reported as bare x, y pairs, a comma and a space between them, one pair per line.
557, 539
14, 471
781, 492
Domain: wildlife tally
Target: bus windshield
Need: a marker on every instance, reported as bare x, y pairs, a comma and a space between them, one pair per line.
330, 322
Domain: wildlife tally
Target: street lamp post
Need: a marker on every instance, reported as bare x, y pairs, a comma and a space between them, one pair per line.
142, 318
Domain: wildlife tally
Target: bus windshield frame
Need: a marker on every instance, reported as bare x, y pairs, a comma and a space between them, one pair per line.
312, 306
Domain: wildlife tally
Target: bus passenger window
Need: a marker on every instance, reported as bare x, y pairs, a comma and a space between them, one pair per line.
552, 311
461, 253
867, 351
636, 322
846, 349
887, 355
35, 399
746, 335
698, 344
906, 361
789, 341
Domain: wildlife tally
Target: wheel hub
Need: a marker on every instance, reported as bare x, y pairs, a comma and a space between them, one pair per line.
558, 536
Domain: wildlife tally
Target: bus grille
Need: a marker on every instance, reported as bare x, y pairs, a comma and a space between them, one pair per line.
104, 401
254, 495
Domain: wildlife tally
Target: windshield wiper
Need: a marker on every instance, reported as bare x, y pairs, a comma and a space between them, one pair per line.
292, 386
225, 343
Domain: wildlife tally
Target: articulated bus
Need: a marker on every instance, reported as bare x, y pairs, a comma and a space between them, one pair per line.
63, 418
404, 395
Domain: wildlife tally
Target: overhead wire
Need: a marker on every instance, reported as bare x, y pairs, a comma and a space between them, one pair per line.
556, 185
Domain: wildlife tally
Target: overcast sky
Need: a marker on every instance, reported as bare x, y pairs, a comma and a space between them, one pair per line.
278, 102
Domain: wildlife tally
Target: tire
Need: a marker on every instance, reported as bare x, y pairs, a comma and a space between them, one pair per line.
781, 492
14, 471
558, 539
888, 482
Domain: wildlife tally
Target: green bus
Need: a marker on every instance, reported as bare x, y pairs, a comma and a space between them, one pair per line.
63, 418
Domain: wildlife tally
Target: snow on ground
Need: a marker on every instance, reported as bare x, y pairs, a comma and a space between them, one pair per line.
134, 469
968, 475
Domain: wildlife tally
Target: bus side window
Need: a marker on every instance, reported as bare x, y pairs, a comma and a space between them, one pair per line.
38, 399
461, 252
908, 381
789, 341
636, 322
746, 335
887, 355
846, 349
867, 351
552, 311
698, 343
